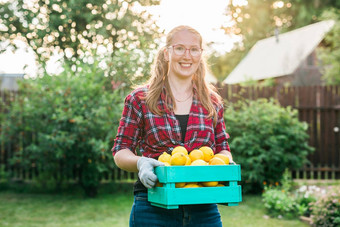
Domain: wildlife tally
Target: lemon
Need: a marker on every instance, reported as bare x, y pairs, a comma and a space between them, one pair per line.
165, 157
180, 185
196, 154
188, 162
210, 184
178, 159
180, 149
158, 184
207, 152
199, 162
224, 157
216, 161
191, 185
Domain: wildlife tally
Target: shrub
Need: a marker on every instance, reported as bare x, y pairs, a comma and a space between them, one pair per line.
310, 201
288, 204
3, 174
326, 210
62, 127
279, 200
306, 196
265, 139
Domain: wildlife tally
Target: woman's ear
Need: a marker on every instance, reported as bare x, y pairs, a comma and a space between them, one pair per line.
166, 54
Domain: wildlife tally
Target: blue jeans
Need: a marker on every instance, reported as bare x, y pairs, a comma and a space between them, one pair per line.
143, 214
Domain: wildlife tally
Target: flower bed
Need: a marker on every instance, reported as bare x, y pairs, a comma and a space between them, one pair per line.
315, 205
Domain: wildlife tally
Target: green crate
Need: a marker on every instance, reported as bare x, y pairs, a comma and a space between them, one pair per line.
170, 197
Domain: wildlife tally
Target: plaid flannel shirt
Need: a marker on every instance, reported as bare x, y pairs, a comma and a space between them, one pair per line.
157, 134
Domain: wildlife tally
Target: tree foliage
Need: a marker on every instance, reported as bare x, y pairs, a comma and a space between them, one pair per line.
221, 66
62, 127
74, 28
329, 52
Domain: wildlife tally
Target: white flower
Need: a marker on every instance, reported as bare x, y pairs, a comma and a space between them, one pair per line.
312, 187
303, 188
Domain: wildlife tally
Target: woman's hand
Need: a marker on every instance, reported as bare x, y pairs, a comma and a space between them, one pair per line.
225, 152
146, 173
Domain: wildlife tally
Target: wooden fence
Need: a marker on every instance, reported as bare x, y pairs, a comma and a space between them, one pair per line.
319, 106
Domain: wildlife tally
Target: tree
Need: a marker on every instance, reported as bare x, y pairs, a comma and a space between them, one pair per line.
75, 28
62, 127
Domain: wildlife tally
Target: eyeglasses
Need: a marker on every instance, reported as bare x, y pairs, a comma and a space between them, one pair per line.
180, 50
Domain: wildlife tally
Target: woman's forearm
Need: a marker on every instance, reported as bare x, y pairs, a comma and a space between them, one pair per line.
126, 160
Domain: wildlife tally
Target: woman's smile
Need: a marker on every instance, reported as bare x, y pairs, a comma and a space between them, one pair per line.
185, 65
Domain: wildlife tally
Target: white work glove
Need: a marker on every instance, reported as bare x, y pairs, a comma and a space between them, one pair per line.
146, 173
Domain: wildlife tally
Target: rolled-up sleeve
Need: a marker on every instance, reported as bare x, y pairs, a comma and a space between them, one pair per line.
221, 136
129, 129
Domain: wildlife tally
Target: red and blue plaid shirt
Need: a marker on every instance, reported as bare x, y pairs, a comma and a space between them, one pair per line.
156, 134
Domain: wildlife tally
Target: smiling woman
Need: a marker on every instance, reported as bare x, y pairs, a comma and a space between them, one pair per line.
176, 107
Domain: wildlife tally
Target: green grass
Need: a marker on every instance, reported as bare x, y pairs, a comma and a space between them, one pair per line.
251, 212
109, 209
64, 210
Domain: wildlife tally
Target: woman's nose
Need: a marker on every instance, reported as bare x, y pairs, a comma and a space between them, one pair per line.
187, 53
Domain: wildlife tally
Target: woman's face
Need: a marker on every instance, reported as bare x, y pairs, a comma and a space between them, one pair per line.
183, 65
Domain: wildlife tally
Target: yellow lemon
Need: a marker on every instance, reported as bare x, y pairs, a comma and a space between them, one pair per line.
167, 164
208, 153
224, 157
158, 184
179, 149
188, 162
196, 154
165, 157
216, 161
178, 159
191, 185
210, 184
220, 185
180, 185
199, 162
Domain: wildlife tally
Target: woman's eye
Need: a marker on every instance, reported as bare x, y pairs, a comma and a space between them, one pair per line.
180, 48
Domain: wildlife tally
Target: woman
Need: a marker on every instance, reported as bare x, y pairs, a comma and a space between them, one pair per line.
176, 107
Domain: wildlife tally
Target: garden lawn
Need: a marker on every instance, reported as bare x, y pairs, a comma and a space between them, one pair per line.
24, 209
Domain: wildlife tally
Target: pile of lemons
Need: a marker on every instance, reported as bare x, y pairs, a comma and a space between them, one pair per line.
197, 157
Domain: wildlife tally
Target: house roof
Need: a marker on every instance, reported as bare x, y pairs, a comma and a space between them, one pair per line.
279, 56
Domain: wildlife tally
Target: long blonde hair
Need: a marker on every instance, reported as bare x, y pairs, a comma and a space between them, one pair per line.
207, 93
